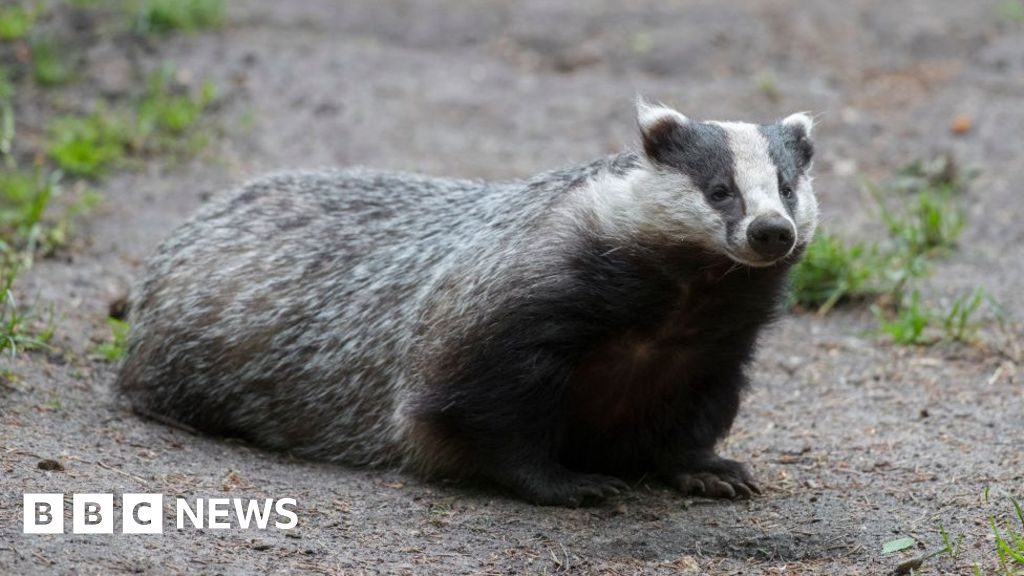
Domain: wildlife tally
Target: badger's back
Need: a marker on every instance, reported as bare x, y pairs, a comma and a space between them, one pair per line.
282, 312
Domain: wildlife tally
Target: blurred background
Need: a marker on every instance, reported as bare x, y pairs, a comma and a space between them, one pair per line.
886, 404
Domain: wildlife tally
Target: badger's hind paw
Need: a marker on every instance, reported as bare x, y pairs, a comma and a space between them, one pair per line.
570, 489
721, 479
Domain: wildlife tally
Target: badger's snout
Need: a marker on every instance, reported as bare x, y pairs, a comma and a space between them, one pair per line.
771, 236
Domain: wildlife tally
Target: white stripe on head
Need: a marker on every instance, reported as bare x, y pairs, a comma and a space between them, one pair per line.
755, 174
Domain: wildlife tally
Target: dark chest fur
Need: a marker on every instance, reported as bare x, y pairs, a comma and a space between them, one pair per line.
626, 356
668, 365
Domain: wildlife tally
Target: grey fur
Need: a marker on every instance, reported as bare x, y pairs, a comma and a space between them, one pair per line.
287, 310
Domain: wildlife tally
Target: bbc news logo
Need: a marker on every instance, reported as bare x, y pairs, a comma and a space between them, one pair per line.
144, 513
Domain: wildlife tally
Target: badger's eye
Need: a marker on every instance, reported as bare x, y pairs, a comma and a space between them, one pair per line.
720, 193
786, 191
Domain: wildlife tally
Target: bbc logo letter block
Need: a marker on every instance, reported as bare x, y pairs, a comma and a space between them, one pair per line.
94, 514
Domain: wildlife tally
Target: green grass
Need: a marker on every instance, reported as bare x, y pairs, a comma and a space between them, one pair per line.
112, 350
833, 271
24, 198
89, 145
959, 323
923, 223
6, 86
164, 120
6, 118
930, 226
164, 16
48, 68
912, 322
768, 84
1012, 10
907, 325
29, 220
1009, 540
16, 326
16, 22
164, 112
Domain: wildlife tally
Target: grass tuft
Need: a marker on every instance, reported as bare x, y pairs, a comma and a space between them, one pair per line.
169, 112
1009, 541
113, 350
1012, 10
16, 22
16, 330
930, 226
89, 145
48, 69
832, 271
165, 16
908, 324
165, 120
923, 222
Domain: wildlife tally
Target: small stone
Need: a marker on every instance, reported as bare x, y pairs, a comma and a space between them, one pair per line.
962, 124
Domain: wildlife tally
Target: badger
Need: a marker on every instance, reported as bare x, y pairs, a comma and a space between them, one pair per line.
556, 336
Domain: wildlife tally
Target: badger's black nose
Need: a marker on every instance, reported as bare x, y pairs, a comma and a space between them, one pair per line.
771, 236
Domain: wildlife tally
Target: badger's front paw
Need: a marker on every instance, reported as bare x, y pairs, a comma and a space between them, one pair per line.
561, 487
715, 477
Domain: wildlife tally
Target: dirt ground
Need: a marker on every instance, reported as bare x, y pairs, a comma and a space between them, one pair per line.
856, 442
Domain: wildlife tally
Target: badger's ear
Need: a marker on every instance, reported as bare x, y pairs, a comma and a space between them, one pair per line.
657, 124
800, 126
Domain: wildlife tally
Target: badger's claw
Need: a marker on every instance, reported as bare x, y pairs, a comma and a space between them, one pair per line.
716, 478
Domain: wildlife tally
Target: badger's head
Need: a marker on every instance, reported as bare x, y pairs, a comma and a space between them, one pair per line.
736, 189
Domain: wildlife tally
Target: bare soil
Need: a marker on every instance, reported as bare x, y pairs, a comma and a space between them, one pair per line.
855, 441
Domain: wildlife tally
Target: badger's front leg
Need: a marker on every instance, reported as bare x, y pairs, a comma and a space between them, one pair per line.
705, 416
539, 479
500, 417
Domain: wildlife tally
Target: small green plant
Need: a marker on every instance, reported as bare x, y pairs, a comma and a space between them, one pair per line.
931, 225
164, 120
6, 118
113, 350
163, 112
1012, 10
6, 86
164, 16
1009, 541
16, 22
768, 84
832, 271
48, 69
29, 221
907, 324
89, 145
15, 332
951, 547
958, 323
922, 226
910, 322
24, 198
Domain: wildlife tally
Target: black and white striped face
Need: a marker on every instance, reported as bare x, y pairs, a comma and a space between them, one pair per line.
739, 189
